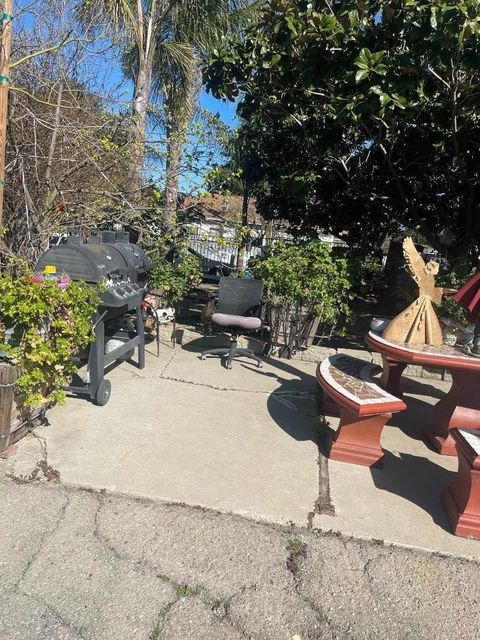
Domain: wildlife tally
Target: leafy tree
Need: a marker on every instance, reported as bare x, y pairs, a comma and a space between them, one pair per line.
224, 179
198, 31
364, 116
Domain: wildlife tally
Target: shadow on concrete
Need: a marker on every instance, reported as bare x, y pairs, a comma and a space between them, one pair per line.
420, 387
293, 404
416, 479
414, 419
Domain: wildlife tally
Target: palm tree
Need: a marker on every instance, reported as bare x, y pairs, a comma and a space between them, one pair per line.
163, 42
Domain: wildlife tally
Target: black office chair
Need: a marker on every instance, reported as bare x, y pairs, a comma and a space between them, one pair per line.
239, 303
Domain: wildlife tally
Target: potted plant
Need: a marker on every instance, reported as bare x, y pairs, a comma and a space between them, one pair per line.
306, 285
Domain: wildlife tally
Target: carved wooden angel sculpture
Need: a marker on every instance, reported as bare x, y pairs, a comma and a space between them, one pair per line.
418, 323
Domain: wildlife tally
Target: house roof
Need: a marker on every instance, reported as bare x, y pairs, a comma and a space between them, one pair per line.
217, 207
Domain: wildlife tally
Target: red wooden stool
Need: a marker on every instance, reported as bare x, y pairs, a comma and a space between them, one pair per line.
462, 498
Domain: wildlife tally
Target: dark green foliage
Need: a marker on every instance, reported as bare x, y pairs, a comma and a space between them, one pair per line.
305, 271
449, 308
224, 179
363, 116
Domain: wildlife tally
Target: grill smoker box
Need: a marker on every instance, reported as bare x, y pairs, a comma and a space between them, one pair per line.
121, 268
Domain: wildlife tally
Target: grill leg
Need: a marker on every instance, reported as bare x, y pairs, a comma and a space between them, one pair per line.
96, 359
141, 333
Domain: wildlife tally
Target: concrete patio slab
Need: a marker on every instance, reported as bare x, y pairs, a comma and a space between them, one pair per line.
274, 376
245, 441
247, 451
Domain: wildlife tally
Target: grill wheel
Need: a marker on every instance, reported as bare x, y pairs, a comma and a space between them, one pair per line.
102, 395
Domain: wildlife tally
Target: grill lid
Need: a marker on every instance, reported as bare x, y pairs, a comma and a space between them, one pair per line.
107, 256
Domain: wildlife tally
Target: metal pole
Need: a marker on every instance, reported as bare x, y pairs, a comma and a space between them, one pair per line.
6, 42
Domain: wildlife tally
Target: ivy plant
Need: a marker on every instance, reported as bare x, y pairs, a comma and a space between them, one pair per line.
41, 327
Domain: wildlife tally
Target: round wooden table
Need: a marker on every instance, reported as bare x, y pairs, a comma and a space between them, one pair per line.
460, 408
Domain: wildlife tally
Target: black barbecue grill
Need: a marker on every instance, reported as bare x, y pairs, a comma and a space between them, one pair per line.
118, 270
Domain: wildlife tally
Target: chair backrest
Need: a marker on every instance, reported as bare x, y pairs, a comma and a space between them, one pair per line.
237, 295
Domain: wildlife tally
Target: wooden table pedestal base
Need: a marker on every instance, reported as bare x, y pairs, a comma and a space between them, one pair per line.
459, 409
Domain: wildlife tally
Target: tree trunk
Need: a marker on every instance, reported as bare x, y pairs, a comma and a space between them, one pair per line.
141, 97
53, 139
180, 105
175, 141
241, 250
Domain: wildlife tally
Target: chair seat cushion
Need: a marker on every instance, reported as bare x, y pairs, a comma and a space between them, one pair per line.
244, 322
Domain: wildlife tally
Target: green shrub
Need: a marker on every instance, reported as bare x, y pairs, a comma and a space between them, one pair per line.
449, 308
303, 278
175, 281
363, 272
50, 325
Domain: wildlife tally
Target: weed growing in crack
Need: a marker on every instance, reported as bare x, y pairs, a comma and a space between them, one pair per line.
186, 591
297, 552
42, 470
323, 425
155, 634
295, 545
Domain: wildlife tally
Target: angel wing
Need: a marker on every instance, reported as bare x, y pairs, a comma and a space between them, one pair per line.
414, 260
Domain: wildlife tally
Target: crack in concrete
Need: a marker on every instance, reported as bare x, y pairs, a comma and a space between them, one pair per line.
96, 529
323, 504
297, 555
43, 539
181, 589
35, 598
42, 467
292, 394
221, 608
155, 634
172, 358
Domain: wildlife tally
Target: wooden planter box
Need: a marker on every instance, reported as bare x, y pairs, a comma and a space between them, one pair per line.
13, 421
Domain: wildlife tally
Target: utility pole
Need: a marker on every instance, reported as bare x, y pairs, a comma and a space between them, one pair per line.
6, 42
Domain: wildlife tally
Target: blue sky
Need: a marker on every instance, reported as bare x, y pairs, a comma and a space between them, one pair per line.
226, 110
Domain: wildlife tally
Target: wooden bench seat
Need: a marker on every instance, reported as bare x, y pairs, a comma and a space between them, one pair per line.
364, 408
462, 498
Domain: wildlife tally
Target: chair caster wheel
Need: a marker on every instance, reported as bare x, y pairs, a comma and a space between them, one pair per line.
202, 357
259, 365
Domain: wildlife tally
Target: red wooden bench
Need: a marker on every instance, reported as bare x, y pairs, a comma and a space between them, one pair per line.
364, 408
462, 498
